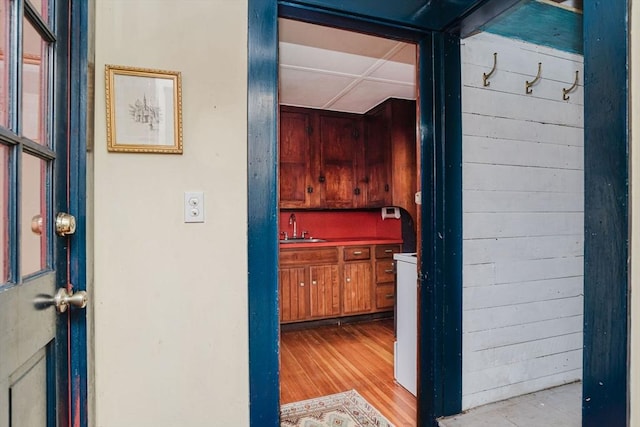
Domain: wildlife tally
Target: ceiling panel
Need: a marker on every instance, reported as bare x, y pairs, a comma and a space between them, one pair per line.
312, 58
366, 94
322, 67
310, 89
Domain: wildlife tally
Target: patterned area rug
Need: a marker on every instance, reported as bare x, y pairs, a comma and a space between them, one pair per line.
347, 409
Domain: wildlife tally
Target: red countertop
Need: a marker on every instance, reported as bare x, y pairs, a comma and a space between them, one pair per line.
344, 241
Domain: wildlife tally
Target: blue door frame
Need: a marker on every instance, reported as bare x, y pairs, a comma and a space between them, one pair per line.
73, 128
605, 376
440, 345
606, 239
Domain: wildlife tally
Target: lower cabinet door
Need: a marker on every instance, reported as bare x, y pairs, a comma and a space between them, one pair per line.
356, 294
293, 294
324, 291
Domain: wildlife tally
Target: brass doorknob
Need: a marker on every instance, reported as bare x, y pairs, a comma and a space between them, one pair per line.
63, 299
65, 224
37, 225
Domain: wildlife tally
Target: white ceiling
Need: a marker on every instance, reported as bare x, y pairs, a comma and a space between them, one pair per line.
331, 69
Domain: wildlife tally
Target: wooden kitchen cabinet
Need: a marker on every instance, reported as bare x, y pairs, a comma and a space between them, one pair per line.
393, 123
331, 159
385, 276
377, 159
341, 154
309, 285
330, 282
324, 291
293, 294
297, 152
356, 293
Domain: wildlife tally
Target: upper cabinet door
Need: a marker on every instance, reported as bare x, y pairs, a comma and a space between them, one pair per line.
296, 154
340, 155
377, 159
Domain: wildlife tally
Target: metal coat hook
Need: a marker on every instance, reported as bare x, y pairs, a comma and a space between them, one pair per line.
485, 76
571, 89
528, 84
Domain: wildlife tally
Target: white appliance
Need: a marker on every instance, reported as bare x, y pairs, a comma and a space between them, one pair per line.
405, 350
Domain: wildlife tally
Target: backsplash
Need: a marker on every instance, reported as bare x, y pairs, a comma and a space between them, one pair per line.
338, 224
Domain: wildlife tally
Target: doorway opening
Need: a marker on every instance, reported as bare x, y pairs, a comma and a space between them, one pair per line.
348, 173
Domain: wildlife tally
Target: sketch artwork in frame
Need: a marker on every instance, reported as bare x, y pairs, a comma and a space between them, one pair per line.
144, 110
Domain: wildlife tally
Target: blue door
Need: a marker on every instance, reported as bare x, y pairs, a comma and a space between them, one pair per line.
38, 301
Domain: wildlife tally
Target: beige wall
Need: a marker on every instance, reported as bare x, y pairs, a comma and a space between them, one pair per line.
635, 216
170, 299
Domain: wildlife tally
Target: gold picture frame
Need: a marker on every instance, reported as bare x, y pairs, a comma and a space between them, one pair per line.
144, 110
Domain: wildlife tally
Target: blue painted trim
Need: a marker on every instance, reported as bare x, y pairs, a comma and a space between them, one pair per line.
60, 123
51, 368
262, 103
440, 342
481, 16
440, 349
79, 63
333, 18
428, 355
606, 146
541, 24
451, 205
419, 15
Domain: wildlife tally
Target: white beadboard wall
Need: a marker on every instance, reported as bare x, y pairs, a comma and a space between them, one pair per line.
523, 196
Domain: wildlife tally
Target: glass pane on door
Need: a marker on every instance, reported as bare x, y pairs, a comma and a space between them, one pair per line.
4, 61
42, 7
33, 237
35, 73
4, 214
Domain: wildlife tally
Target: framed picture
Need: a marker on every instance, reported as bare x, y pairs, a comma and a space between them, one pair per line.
144, 110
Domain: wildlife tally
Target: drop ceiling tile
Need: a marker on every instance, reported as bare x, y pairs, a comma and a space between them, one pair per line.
367, 94
328, 38
407, 54
395, 72
309, 89
322, 59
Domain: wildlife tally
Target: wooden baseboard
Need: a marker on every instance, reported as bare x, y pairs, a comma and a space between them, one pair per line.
335, 321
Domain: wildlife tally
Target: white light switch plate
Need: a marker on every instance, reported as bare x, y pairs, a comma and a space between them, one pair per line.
194, 206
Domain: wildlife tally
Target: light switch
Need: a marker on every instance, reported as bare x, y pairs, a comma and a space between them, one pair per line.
193, 206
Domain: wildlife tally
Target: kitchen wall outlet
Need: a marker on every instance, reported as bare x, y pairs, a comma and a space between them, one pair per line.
194, 206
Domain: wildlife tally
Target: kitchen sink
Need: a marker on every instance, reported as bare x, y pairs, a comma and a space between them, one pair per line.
301, 240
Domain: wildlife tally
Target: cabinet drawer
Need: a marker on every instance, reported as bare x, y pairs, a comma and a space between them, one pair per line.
385, 271
308, 256
385, 296
386, 251
352, 253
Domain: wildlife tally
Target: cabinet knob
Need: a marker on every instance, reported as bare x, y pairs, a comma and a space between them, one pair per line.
348, 279
301, 284
389, 271
314, 282
321, 178
357, 252
356, 191
309, 189
386, 187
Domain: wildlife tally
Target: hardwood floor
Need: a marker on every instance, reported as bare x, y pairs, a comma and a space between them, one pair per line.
330, 359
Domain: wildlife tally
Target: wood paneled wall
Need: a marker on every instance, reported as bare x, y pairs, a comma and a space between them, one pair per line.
523, 220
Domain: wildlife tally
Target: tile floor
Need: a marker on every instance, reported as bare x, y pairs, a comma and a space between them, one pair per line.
557, 407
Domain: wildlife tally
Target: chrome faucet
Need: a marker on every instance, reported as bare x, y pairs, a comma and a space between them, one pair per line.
292, 221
